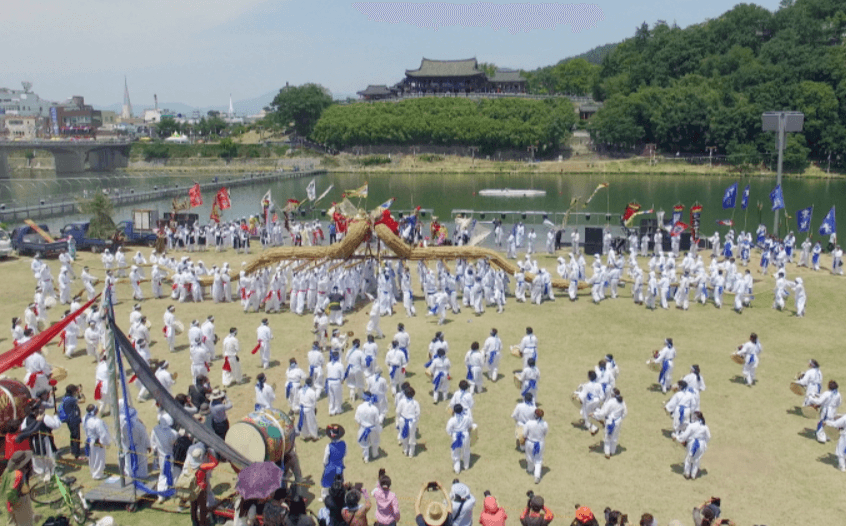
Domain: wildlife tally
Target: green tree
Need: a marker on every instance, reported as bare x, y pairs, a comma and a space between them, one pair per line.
301, 106
575, 77
166, 127
228, 148
155, 150
795, 154
100, 209
488, 67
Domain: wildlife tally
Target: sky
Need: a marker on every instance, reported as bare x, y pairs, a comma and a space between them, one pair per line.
198, 52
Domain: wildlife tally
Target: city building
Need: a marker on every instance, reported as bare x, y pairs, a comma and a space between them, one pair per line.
23, 102
376, 92
22, 127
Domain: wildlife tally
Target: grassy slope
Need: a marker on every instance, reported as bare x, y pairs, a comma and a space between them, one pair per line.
762, 452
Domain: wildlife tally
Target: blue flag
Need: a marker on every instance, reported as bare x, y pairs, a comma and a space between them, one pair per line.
730, 197
744, 201
829, 225
803, 217
777, 198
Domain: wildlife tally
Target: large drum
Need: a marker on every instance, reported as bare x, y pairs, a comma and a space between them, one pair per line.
738, 359
14, 396
263, 436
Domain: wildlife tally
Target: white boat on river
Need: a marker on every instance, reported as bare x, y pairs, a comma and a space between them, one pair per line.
511, 192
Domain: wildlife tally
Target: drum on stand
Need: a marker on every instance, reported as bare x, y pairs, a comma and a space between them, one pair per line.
262, 436
14, 396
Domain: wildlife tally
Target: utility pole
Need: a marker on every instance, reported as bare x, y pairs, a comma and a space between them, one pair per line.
473, 150
710, 155
781, 122
532, 149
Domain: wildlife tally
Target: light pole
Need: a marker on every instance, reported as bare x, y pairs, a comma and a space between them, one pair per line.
781, 122
532, 149
473, 150
710, 154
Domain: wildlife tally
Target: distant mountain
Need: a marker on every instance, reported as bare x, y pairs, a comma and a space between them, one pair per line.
242, 107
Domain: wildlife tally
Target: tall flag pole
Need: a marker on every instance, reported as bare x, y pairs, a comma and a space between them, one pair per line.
744, 204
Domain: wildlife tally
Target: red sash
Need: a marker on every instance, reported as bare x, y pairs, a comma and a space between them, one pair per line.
207, 366
256, 348
61, 342
133, 378
226, 366
30, 382
98, 391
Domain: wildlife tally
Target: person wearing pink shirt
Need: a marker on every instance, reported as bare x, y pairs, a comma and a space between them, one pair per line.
387, 504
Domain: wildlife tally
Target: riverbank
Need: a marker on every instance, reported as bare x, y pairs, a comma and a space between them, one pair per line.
587, 165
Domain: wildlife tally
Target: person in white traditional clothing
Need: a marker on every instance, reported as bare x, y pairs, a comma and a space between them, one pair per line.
373, 322
307, 419
695, 384
377, 386
612, 412
157, 276
143, 349
315, 368
231, 372
37, 373
523, 412
371, 356
458, 428
140, 443
681, 407
800, 296
492, 354
440, 366
264, 335
529, 347
98, 439
403, 340
811, 380
536, 430
139, 260
369, 428
135, 280
828, 402
396, 362
334, 385
696, 438
591, 396
294, 378
408, 416
199, 359
265, 395
474, 361
207, 328
169, 330
165, 378
162, 439
69, 336
665, 357
64, 286
101, 387
750, 352
354, 373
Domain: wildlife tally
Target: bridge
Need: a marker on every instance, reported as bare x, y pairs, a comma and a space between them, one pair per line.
72, 157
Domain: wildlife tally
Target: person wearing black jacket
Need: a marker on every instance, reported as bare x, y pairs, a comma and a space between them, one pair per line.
38, 429
199, 391
70, 406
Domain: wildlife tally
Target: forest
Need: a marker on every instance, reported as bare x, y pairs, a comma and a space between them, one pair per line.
708, 84
489, 124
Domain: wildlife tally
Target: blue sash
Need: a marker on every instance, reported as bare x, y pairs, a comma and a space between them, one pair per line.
531, 385
428, 364
664, 366
405, 352
288, 386
469, 373
406, 427
609, 428
695, 448
536, 448
301, 421
815, 258
311, 371
437, 380
492, 357
347, 372
751, 359
367, 361
256, 407
458, 441
393, 371
365, 435
681, 414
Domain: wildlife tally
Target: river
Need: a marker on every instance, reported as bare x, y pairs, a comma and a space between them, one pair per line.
446, 192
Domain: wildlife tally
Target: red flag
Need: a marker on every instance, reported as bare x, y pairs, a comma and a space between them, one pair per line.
195, 196
678, 228
631, 208
18, 353
222, 199
215, 212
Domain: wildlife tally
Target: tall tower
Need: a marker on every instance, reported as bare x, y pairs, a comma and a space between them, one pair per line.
231, 109
126, 112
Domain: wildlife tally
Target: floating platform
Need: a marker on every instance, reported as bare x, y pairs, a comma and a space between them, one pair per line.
511, 192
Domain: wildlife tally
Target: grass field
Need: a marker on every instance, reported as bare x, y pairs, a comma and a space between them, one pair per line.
763, 460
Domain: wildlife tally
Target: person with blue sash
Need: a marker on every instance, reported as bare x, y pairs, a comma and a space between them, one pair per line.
396, 362
463, 397
811, 380
612, 412
458, 428
529, 378
97, 439
590, 395
474, 361
665, 357
696, 439
371, 356
492, 351
815, 256
334, 387
828, 403
408, 415
403, 340
294, 377
315, 367
681, 406
536, 431
369, 428
162, 440
378, 388
440, 366
529, 347
333, 457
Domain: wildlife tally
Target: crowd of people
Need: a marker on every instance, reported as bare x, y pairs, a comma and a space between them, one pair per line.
375, 378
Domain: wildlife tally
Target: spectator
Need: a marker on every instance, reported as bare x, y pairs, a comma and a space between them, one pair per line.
15, 488
199, 501
244, 512
647, 520
70, 406
708, 514
13, 429
354, 513
387, 504
615, 518
536, 514
276, 510
219, 404
334, 501
438, 512
297, 515
584, 517
463, 503
199, 391
492, 513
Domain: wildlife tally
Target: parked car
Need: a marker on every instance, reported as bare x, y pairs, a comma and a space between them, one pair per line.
5, 244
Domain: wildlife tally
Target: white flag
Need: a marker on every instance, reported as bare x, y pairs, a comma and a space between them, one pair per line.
311, 190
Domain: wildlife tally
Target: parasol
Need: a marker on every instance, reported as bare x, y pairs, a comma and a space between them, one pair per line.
259, 480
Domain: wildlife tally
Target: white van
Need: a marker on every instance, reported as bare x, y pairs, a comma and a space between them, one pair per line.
5, 244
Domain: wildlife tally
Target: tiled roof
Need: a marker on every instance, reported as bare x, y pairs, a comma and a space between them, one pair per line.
446, 68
